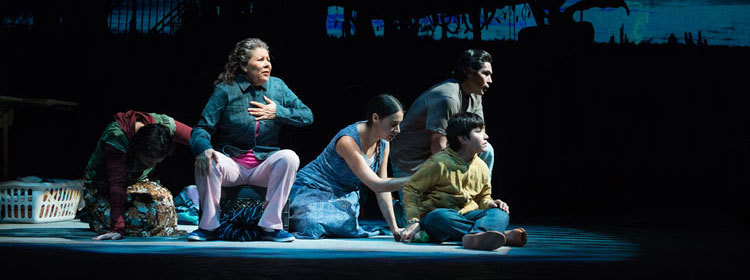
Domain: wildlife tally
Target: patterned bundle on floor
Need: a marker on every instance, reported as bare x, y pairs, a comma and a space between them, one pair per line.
241, 222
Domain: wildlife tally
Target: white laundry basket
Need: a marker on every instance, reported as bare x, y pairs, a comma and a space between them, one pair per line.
23, 202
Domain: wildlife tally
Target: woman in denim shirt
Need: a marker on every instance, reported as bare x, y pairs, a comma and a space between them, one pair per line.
243, 118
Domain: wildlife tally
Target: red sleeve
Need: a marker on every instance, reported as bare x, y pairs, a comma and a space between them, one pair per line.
182, 133
114, 162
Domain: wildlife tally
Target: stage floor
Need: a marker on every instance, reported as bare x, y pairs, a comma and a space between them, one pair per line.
66, 249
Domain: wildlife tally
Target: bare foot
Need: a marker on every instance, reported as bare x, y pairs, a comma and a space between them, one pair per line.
488, 240
516, 237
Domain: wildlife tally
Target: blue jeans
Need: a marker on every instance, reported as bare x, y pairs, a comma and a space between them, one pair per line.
444, 224
398, 206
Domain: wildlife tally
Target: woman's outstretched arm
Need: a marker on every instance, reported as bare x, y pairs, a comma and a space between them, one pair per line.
348, 149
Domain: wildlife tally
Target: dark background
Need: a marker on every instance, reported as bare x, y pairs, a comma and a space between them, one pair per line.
597, 133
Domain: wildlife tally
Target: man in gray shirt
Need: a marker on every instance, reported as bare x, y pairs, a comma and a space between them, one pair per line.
423, 129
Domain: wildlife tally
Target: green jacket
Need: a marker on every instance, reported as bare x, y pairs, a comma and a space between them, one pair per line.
115, 137
446, 181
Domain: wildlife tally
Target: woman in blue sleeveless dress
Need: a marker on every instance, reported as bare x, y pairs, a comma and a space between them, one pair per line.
325, 195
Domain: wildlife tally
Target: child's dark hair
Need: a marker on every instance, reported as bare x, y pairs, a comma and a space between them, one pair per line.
152, 140
384, 105
461, 124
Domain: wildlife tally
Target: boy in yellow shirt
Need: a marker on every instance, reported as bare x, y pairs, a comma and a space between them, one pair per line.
449, 196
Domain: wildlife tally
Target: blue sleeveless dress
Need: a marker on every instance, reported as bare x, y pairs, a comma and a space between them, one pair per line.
325, 195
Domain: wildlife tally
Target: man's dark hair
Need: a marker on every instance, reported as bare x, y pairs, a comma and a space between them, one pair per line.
152, 140
460, 125
471, 58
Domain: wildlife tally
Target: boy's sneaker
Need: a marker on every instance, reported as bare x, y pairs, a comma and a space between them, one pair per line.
202, 235
488, 240
278, 235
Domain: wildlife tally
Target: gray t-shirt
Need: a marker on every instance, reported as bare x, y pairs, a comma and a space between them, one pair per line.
429, 112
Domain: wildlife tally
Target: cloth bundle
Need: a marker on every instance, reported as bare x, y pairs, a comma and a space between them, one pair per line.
241, 223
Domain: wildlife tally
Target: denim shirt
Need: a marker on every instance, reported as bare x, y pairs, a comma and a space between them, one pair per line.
225, 117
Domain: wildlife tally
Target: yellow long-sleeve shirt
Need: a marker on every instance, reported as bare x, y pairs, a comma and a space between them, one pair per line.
446, 181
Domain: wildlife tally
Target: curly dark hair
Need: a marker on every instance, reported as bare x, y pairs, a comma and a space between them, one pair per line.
239, 56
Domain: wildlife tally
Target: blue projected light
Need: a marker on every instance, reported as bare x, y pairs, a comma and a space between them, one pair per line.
720, 22
335, 22
377, 25
545, 243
